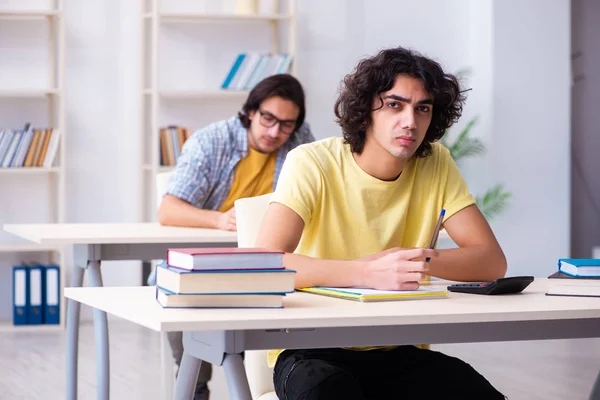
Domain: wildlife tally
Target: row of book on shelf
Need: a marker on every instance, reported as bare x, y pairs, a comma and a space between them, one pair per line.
172, 139
28, 147
36, 294
575, 277
247, 278
248, 69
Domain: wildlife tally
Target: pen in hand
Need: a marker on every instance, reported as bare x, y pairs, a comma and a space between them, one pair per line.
436, 232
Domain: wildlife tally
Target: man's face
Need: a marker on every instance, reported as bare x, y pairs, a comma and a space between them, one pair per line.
272, 124
400, 125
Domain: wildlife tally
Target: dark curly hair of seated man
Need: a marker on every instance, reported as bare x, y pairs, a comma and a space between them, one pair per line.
372, 76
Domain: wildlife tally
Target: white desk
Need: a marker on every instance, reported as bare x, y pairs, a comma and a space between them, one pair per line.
94, 243
219, 336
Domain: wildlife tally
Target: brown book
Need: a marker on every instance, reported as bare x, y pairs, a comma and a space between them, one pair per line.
38, 147
32, 146
40, 161
170, 147
180, 138
163, 148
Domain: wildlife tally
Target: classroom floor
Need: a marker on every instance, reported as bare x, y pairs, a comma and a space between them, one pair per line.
32, 365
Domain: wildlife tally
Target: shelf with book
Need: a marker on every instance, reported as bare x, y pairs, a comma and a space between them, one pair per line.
264, 55
35, 151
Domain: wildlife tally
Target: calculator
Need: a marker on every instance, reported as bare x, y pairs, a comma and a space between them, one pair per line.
513, 284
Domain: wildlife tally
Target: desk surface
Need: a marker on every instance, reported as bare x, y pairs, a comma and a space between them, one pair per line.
304, 310
105, 233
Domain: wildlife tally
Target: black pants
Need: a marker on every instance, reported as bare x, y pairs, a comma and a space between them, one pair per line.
405, 372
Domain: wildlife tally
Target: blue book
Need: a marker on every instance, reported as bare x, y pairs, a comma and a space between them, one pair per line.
20, 294
580, 267
52, 297
257, 281
233, 70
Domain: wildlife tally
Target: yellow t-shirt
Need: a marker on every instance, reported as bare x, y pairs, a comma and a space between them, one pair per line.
253, 177
349, 214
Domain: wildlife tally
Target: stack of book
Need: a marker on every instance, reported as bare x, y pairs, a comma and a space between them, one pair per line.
575, 277
172, 139
223, 278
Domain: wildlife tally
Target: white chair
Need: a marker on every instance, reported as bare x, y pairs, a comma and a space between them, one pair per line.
167, 364
249, 213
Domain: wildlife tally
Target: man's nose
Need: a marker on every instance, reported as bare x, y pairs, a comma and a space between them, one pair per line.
274, 130
408, 120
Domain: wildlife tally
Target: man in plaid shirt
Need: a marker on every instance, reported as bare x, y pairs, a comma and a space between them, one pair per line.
232, 159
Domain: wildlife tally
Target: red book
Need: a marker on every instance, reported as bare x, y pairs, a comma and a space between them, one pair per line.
218, 258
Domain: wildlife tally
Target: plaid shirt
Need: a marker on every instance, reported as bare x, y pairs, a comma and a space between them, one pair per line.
206, 166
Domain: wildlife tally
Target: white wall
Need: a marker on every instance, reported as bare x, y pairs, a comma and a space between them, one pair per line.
519, 61
531, 130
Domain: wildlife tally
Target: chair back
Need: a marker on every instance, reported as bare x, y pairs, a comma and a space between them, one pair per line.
249, 213
162, 182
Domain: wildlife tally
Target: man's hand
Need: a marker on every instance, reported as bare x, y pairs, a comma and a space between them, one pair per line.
396, 269
227, 220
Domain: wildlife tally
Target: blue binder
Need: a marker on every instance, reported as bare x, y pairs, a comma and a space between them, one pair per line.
20, 294
52, 295
36, 288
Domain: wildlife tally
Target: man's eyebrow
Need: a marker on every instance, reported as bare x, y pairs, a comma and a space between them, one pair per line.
405, 100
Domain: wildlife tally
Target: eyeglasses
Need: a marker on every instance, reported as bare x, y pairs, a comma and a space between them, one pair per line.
268, 120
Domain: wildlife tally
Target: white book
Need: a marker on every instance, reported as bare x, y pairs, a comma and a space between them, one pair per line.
52, 148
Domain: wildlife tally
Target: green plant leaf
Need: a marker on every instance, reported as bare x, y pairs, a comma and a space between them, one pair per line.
464, 145
493, 202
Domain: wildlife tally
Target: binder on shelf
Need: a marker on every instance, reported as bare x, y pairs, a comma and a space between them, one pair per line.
35, 306
20, 294
52, 298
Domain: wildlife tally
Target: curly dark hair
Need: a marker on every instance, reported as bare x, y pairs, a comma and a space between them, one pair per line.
377, 74
282, 85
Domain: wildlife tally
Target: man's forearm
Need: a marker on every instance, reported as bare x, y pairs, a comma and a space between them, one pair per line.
175, 212
472, 263
318, 272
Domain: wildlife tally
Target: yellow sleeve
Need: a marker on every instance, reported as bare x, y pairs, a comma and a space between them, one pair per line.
456, 192
299, 184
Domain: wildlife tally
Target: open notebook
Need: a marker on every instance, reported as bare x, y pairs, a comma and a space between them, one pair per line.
366, 295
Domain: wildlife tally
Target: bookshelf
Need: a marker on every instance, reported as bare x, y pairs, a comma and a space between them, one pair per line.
276, 25
36, 179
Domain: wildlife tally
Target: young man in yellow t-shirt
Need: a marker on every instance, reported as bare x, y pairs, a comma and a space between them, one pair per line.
231, 159
359, 211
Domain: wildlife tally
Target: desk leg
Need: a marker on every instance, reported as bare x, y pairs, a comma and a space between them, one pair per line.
595, 394
235, 374
187, 377
73, 335
101, 337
